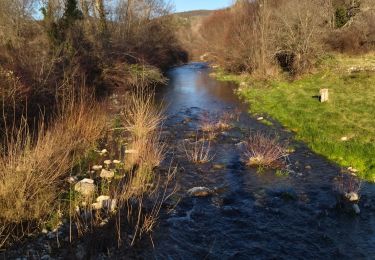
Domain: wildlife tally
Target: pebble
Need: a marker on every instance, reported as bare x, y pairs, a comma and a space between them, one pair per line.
356, 209
200, 192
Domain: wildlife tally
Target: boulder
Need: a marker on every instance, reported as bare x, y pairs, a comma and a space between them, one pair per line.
105, 174
105, 202
86, 187
107, 162
200, 192
352, 196
97, 167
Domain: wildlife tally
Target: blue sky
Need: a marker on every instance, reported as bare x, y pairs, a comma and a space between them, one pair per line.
187, 5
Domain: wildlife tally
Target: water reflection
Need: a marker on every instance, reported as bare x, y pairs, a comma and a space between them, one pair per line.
191, 86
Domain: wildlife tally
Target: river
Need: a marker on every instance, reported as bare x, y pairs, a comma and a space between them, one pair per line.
256, 215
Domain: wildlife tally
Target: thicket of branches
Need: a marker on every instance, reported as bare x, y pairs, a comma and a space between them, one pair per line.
47, 46
265, 36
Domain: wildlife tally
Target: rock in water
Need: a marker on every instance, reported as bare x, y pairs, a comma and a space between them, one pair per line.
356, 209
200, 192
352, 196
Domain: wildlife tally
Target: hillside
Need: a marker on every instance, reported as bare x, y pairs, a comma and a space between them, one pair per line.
194, 13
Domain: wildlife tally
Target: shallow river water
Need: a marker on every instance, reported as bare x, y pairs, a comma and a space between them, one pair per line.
255, 215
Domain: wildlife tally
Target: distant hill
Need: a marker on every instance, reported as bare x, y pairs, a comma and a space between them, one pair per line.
194, 14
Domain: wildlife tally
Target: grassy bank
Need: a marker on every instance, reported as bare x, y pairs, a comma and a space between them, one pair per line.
343, 129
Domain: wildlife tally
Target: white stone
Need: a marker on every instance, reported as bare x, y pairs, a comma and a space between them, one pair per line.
260, 118
104, 151
102, 198
352, 169
72, 179
131, 151
86, 180
116, 161
107, 174
199, 192
97, 167
107, 162
97, 205
86, 187
105, 202
356, 209
324, 95
352, 196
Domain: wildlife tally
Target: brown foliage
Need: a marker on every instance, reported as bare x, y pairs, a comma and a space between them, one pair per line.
34, 166
265, 151
264, 36
357, 37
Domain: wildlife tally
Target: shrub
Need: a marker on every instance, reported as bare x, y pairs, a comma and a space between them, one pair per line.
356, 38
265, 150
198, 151
341, 16
33, 167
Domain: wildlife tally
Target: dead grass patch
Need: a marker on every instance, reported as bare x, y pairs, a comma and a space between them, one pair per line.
265, 151
198, 151
33, 167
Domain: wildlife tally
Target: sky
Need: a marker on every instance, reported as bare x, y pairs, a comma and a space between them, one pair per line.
188, 5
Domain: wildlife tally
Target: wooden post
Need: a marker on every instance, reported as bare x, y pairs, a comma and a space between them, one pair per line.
324, 95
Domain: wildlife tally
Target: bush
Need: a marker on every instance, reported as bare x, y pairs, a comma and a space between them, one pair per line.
34, 167
356, 38
265, 151
341, 17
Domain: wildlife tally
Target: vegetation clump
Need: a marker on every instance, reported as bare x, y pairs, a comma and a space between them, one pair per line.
265, 151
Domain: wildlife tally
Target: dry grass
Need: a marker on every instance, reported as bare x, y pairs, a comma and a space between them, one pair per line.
209, 126
33, 167
212, 125
143, 119
136, 182
223, 123
142, 115
347, 183
198, 151
265, 151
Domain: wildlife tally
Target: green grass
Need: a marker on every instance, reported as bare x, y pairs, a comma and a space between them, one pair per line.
350, 111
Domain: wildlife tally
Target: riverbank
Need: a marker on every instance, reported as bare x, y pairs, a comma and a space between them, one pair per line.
342, 129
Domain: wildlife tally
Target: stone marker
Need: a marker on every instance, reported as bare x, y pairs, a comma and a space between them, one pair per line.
324, 95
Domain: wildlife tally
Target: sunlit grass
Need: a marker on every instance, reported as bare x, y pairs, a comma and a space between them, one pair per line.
349, 113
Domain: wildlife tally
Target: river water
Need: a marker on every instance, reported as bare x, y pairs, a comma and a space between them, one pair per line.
256, 215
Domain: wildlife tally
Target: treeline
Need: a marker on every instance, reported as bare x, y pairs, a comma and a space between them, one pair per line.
58, 59
50, 47
265, 36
